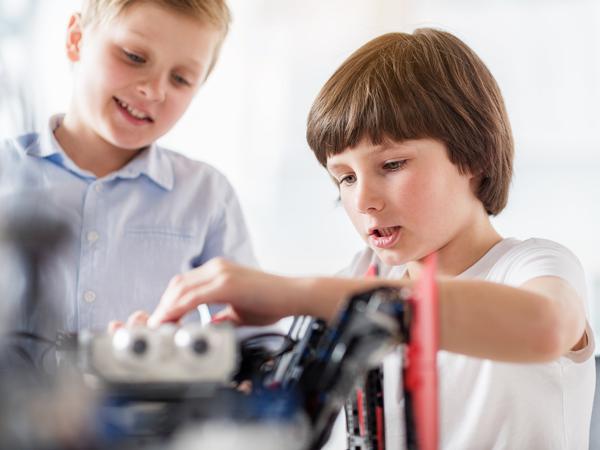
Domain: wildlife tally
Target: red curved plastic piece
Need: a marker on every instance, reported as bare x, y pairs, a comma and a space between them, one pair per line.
421, 373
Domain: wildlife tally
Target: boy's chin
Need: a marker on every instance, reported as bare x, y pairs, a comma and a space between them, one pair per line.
135, 148
130, 145
390, 257
129, 141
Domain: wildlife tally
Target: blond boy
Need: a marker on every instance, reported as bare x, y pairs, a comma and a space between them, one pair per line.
138, 213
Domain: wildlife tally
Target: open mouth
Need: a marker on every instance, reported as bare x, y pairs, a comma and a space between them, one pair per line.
384, 237
132, 113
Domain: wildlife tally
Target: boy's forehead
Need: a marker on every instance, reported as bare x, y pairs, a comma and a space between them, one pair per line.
369, 148
145, 37
430, 149
146, 17
150, 25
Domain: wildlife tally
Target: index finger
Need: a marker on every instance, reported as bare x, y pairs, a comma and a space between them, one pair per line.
172, 308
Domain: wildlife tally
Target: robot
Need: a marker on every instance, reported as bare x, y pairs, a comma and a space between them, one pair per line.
307, 379
178, 387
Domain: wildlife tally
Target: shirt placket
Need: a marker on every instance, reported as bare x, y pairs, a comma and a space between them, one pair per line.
89, 291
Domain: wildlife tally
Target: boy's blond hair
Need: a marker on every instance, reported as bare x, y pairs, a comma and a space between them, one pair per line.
212, 12
428, 84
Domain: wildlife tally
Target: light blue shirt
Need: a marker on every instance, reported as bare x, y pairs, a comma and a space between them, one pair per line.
131, 231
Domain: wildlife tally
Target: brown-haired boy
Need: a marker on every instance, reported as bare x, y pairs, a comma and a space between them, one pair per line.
413, 129
138, 213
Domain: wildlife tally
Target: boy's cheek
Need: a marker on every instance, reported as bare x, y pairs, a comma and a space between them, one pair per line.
116, 74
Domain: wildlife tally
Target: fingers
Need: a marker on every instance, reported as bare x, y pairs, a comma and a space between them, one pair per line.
172, 313
176, 301
205, 284
138, 318
217, 281
114, 325
172, 307
245, 387
227, 315
182, 284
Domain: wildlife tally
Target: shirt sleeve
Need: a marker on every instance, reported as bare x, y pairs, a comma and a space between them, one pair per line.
540, 258
228, 235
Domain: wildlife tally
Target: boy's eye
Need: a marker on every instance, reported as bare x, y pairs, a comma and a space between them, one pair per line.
134, 58
347, 179
180, 80
394, 165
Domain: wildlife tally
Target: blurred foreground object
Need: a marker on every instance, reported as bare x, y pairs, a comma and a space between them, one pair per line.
180, 387
39, 409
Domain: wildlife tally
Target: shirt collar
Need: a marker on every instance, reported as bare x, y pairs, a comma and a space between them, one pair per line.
47, 145
153, 161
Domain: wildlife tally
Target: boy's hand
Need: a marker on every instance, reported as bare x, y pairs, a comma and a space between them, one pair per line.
138, 318
255, 297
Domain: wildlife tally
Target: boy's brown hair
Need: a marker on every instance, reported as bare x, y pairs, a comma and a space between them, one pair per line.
212, 12
428, 84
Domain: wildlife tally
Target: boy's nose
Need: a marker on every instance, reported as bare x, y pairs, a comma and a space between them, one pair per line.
368, 199
152, 89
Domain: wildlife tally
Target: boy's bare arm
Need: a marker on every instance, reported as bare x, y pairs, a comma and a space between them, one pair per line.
255, 297
540, 321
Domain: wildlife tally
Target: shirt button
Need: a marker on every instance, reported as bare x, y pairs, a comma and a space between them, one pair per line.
98, 187
93, 236
89, 296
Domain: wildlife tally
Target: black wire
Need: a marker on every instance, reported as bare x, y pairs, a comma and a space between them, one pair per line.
263, 336
288, 345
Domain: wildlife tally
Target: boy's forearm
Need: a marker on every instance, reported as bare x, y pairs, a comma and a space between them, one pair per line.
489, 320
477, 318
324, 297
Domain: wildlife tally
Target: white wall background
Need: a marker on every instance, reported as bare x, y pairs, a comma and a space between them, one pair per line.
249, 119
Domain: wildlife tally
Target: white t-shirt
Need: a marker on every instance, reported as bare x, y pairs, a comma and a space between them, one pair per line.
487, 404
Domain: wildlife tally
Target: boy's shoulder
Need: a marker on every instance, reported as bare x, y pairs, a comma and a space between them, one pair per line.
21, 143
16, 148
535, 242
532, 247
517, 261
510, 251
189, 170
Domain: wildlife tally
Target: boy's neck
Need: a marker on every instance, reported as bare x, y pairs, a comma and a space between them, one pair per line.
464, 250
89, 151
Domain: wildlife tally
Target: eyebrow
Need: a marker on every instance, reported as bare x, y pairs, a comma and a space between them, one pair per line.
194, 64
333, 166
139, 33
381, 148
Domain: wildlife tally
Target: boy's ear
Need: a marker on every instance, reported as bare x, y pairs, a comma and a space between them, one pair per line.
475, 181
74, 35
